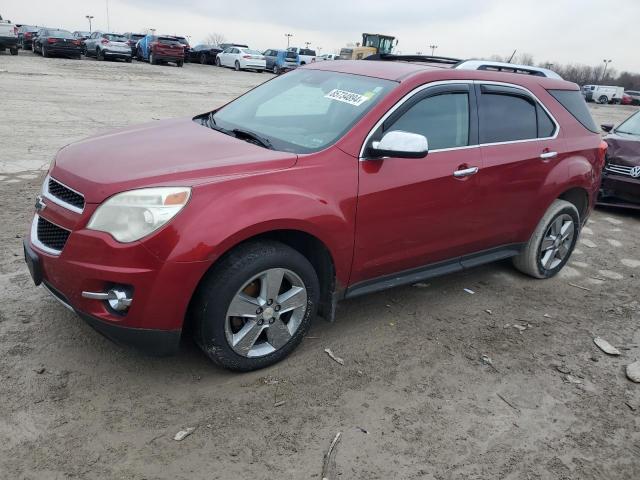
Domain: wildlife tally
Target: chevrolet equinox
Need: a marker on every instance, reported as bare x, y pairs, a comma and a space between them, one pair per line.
335, 180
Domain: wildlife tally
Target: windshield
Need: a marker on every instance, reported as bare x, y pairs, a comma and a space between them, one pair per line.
631, 125
303, 111
60, 34
115, 38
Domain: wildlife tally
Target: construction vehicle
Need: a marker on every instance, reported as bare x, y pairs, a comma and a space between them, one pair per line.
372, 43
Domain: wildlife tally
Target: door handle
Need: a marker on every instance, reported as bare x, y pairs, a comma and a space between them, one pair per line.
466, 172
548, 155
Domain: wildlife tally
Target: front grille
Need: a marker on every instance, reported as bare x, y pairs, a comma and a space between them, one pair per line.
51, 235
633, 172
65, 194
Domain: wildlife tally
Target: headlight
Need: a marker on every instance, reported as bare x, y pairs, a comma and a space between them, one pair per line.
129, 216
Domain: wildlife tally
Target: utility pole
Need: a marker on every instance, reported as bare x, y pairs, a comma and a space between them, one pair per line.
89, 17
108, 24
288, 35
606, 63
433, 49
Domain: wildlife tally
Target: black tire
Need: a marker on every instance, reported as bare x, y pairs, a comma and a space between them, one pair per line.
221, 284
203, 59
603, 100
99, 55
180, 63
218, 63
128, 60
237, 66
276, 70
152, 59
529, 260
13, 50
78, 57
44, 52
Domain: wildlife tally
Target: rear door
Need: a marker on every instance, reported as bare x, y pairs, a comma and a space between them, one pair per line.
521, 144
416, 212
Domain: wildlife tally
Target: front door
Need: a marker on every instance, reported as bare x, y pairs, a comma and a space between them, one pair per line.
416, 212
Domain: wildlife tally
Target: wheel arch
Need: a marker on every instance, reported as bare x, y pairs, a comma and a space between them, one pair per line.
579, 197
310, 246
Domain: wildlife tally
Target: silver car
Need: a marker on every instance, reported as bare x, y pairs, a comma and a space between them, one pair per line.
107, 45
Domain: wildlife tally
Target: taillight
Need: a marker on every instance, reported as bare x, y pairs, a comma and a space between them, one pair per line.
28, 35
602, 153
52, 40
247, 56
104, 41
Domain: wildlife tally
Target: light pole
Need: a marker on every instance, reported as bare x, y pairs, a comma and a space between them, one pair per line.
307, 44
433, 49
288, 35
108, 24
89, 17
606, 63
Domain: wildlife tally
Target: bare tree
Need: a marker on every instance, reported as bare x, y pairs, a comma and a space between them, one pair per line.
524, 59
215, 38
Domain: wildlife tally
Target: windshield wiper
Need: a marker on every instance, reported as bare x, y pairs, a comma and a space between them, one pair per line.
628, 133
253, 136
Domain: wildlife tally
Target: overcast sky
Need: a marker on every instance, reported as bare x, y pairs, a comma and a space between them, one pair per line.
585, 31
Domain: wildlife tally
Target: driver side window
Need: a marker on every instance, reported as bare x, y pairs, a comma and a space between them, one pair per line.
443, 119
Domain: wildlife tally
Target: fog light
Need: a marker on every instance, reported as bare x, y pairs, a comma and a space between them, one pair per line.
117, 298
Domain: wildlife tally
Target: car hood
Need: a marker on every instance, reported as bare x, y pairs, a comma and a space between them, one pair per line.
168, 152
624, 149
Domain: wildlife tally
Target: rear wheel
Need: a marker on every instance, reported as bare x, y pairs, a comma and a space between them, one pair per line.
13, 50
152, 59
218, 62
603, 100
203, 59
276, 70
44, 51
237, 66
180, 63
99, 55
552, 242
255, 307
129, 59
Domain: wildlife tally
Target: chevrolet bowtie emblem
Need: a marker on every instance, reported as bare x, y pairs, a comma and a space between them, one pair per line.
40, 205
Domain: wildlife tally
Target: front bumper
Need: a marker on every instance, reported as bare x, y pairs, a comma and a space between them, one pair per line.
619, 191
94, 262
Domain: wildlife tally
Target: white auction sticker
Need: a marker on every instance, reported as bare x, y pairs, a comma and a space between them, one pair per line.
347, 97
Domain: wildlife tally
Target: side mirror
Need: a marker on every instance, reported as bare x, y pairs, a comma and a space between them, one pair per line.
607, 127
400, 144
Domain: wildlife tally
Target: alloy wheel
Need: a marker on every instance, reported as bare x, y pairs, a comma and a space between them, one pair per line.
557, 241
266, 312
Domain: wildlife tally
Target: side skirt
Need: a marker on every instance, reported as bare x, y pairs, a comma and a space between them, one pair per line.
414, 275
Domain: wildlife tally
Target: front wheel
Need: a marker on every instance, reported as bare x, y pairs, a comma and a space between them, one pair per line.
203, 59
99, 55
552, 242
237, 66
255, 307
603, 100
152, 59
13, 50
180, 63
276, 70
45, 52
218, 62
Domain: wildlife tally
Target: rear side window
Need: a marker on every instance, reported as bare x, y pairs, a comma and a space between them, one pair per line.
442, 119
575, 104
506, 118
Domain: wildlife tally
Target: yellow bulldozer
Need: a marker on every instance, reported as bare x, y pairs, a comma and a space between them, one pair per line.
372, 43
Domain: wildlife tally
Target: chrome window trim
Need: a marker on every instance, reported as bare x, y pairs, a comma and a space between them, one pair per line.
37, 243
419, 89
56, 200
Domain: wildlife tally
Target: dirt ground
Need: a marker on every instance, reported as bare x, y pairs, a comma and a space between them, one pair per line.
414, 399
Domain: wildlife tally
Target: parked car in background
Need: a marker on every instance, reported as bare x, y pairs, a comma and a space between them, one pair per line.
104, 46
25, 36
603, 94
55, 42
81, 35
241, 59
626, 99
306, 54
635, 96
204, 54
328, 56
156, 50
330, 182
8, 37
132, 40
621, 176
280, 61
185, 44
224, 46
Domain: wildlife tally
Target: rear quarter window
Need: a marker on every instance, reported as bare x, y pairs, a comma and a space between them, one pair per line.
574, 103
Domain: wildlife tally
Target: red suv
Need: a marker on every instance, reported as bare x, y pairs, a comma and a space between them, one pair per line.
335, 180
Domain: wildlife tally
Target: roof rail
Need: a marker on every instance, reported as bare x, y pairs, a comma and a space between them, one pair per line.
413, 58
507, 67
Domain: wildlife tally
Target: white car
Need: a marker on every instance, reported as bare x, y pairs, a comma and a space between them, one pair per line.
241, 59
306, 54
328, 56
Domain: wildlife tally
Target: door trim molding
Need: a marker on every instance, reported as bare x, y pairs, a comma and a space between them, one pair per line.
413, 275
